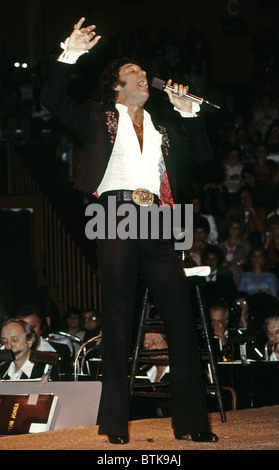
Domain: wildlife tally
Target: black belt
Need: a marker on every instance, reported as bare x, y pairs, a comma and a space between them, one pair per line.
139, 196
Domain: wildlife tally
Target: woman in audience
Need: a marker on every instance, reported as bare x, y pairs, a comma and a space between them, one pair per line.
197, 211
201, 231
258, 278
232, 169
235, 249
73, 320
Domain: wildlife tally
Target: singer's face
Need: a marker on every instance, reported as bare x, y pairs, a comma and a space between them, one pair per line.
133, 85
13, 337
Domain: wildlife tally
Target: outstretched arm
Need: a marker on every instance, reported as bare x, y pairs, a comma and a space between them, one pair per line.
81, 41
54, 95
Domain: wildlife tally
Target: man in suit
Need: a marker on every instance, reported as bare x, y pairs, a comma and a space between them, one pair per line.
32, 314
220, 278
125, 151
153, 374
19, 337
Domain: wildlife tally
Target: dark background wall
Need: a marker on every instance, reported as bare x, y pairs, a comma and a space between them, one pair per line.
31, 29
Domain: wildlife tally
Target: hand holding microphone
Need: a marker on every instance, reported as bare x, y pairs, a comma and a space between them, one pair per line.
176, 94
179, 91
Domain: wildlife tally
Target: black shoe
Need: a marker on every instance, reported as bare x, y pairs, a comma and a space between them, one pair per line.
118, 439
205, 436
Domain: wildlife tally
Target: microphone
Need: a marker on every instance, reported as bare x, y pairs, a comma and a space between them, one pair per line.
160, 84
7, 355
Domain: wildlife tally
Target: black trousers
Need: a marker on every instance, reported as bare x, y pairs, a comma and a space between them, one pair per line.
119, 264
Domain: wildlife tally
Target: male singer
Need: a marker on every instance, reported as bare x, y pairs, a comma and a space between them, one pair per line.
124, 151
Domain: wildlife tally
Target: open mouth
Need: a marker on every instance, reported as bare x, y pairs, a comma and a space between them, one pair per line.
143, 83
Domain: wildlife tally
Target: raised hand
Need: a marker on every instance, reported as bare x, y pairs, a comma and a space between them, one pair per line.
82, 39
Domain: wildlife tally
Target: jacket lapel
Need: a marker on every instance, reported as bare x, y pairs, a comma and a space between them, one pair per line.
165, 189
112, 118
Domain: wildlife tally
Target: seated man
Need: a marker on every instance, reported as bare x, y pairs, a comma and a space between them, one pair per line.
31, 314
92, 324
271, 328
219, 321
19, 337
152, 406
156, 341
231, 343
220, 278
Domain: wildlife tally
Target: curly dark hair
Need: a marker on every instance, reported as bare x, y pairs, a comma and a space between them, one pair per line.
109, 79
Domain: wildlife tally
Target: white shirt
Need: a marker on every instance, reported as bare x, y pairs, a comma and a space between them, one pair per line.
15, 375
151, 373
232, 185
129, 167
45, 346
273, 357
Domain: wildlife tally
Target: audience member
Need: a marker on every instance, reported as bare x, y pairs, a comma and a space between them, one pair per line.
263, 116
245, 144
74, 327
92, 324
201, 231
153, 406
271, 244
17, 335
31, 314
228, 340
242, 315
220, 278
50, 313
264, 195
219, 322
235, 248
254, 217
197, 211
248, 177
232, 169
275, 211
257, 279
266, 173
154, 340
271, 328
216, 199
229, 111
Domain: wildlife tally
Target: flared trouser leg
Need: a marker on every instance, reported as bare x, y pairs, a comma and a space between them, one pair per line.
119, 262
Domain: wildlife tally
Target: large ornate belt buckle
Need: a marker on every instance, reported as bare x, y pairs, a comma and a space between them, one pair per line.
142, 197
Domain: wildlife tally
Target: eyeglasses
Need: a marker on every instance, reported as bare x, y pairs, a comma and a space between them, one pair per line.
90, 318
241, 303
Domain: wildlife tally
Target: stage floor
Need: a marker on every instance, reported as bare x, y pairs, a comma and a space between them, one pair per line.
250, 429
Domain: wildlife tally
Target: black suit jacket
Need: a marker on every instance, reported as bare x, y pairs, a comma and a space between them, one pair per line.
96, 126
37, 371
